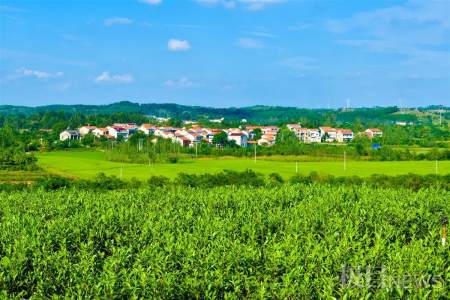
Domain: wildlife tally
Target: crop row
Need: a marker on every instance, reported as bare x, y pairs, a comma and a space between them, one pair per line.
289, 241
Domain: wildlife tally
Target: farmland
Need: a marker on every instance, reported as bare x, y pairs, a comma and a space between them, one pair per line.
86, 164
293, 241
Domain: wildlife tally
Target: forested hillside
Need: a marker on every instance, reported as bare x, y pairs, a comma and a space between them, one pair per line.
258, 114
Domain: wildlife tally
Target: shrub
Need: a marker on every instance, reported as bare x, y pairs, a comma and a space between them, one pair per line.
158, 181
50, 183
173, 159
275, 178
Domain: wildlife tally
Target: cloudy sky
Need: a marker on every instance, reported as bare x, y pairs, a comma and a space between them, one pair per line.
225, 52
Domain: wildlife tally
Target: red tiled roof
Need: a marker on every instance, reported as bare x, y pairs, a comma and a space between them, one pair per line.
345, 131
375, 129
147, 126
327, 129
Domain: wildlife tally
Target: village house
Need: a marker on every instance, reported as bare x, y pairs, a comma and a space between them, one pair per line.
147, 129
373, 132
239, 137
210, 133
86, 130
328, 134
216, 120
182, 140
314, 135
191, 135
165, 132
69, 135
98, 132
118, 132
130, 127
270, 131
301, 133
344, 135
160, 119
309, 135
293, 127
267, 140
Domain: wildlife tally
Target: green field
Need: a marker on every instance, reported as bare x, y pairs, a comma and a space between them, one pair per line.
86, 164
279, 242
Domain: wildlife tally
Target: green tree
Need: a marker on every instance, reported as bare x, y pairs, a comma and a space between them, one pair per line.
220, 139
257, 134
88, 140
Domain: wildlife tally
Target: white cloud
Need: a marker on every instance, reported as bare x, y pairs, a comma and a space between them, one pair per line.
262, 34
416, 30
224, 3
151, 2
300, 63
117, 21
63, 86
178, 45
24, 72
259, 4
106, 77
253, 5
183, 82
249, 43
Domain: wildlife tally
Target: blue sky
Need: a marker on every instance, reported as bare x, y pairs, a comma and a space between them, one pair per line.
225, 52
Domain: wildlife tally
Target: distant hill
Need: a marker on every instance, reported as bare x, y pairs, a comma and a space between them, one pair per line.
258, 114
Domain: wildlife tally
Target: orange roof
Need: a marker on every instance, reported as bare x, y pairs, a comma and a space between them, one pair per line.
327, 129
375, 129
345, 131
147, 126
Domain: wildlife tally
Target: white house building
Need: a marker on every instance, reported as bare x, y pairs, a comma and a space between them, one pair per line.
147, 128
239, 137
267, 140
313, 135
69, 135
373, 132
344, 135
86, 130
328, 134
293, 127
98, 132
118, 132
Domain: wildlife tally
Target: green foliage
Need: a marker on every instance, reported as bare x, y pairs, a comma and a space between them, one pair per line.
275, 178
17, 159
288, 242
226, 177
88, 140
158, 181
220, 139
257, 134
50, 183
173, 159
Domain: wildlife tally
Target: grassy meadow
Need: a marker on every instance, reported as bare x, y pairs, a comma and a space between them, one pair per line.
86, 164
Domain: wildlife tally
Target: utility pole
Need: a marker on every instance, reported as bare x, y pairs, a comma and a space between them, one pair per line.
444, 230
440, 117
345, 161
196, 153
436, 167
255, 153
